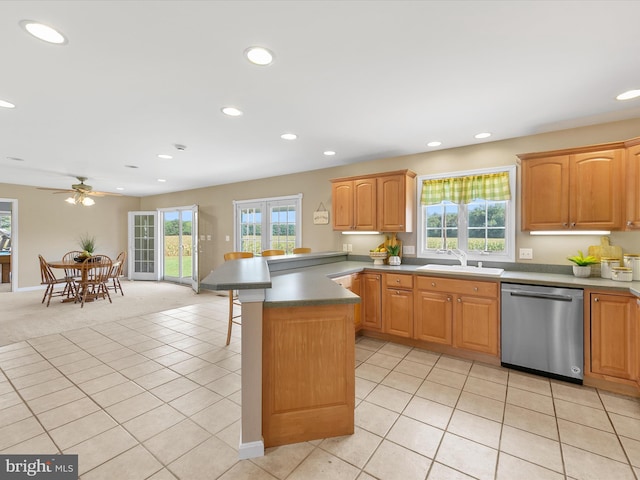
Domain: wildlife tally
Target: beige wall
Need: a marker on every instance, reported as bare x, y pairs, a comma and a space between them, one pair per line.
50, 226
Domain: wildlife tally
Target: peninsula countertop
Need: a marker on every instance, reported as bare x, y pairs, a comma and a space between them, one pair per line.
308, 284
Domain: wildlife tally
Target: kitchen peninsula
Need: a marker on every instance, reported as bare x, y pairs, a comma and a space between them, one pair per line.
286, 298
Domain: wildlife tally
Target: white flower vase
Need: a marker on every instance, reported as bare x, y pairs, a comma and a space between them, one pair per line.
395, 260
582, 271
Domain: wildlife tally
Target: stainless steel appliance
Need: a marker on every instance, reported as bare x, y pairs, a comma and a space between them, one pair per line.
542, 330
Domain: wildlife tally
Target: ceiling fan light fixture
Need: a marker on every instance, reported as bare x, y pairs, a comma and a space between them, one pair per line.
71, 200
87, 201
43, 32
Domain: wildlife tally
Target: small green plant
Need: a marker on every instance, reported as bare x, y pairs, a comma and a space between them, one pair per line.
583, 261
394, 250
87, 243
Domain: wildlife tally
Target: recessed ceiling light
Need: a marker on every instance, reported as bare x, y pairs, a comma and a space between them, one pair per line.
288, 136
232, 111
482, 135
5, 104
434, 144
120, 188
164, 156
15, 159
628, 95
329, 153
131, 166
161, 180
43, 32
259, 55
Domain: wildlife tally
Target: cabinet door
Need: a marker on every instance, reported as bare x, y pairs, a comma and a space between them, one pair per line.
433, 317
476, 324
371, 301
397, 312
394, 212
597, 190
612, 351
633, 188
342, 205
545, 193
364, 213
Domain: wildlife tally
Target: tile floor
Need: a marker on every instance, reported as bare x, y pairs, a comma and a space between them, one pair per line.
158, 397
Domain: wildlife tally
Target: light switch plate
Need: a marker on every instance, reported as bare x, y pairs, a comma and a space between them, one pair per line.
409, 249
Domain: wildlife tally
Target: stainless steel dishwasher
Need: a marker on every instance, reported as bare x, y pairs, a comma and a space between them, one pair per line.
542, 330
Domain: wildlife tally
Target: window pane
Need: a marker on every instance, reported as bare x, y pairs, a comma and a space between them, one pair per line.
486, 222
283, 227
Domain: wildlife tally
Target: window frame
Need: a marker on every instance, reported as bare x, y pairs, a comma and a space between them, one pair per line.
265, 205
509, 254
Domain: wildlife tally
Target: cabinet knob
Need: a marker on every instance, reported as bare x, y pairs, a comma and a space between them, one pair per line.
448, 299
565, 225
397, 280
459, 300
397, 292
573, 224
433, 284
596, 299
475, 289
629, 223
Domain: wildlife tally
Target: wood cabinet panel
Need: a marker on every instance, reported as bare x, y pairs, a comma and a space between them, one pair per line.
371, 301
397, 310
352, 283
399, 280
574, 189
433, 317
379, 202
476, 324
632, 220
596, 190
613, 345
308, 377
465, 287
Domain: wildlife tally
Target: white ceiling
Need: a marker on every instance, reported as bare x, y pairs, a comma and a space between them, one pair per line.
368, 79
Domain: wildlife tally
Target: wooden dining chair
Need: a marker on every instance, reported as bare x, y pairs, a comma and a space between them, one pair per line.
51, 281
233, 298
116, 273
269, 253
302, 250
70, 257
97, 277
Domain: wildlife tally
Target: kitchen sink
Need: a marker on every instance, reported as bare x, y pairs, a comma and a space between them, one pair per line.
468, 270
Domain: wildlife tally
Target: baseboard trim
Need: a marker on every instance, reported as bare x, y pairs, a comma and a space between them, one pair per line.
251, 450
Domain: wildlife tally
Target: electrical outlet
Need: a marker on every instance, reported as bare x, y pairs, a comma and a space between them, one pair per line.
349, 247
227, 238
526, 254
345, 248
409, 249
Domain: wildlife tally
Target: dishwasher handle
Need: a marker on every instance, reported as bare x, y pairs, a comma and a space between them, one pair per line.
546, 296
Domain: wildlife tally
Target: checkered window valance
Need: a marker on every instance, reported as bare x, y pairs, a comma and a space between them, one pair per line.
461, 190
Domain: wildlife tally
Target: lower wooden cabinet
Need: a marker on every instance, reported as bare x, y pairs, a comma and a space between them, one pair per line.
371, 301
433, 321
397, 305
614, 336
476, 324
460, 313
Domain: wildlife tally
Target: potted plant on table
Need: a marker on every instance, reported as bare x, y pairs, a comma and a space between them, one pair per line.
87, 245
582, 267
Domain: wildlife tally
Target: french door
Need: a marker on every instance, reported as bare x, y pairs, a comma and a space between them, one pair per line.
163, 245
180, 245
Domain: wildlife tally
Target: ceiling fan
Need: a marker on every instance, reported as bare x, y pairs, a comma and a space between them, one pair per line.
81, 193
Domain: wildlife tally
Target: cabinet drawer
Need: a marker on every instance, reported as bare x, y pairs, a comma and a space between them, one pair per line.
463, 287
395, 280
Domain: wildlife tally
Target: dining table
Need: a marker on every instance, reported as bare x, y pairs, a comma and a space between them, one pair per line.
82, 267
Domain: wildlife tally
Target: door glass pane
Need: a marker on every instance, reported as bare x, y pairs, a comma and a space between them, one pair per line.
185, 249
283, 227
143, 242
251, 229
171, 251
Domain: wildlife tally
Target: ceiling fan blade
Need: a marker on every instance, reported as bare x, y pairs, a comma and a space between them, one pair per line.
102, 194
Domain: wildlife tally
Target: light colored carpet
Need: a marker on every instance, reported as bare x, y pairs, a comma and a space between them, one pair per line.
23, 316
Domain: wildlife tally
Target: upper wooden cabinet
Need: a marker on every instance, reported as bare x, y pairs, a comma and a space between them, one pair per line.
381, 202
580, 189
632, 218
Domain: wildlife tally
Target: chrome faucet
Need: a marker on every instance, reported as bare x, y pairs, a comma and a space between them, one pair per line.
459, 254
